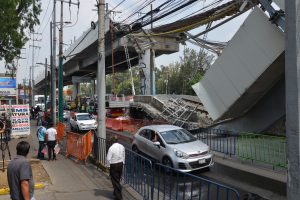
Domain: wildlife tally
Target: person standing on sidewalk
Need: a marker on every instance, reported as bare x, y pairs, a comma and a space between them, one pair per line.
41, 134
115, 160
19, 174
51, 141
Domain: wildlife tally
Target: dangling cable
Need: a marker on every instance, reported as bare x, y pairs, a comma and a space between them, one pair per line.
112, 56
129, 66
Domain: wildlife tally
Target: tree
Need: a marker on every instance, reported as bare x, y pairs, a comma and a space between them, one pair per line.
17, 20
179, 77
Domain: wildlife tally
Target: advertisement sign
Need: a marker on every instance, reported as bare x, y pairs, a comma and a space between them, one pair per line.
8, 86
20, 118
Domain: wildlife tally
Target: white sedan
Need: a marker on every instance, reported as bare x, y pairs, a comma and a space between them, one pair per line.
82, 122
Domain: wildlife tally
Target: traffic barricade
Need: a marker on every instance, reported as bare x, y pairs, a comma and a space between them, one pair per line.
117, 125
60, 131
79, 145
109, 122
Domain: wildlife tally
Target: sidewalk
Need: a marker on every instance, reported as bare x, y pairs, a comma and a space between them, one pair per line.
69, 180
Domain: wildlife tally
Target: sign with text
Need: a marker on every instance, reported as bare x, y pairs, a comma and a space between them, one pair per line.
20, 118
8, 86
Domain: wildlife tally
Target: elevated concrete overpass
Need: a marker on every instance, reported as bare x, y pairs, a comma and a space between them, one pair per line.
80, 63
244, 89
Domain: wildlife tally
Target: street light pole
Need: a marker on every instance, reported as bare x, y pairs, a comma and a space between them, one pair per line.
101, 129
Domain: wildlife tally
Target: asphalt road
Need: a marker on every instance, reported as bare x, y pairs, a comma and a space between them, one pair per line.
249, 186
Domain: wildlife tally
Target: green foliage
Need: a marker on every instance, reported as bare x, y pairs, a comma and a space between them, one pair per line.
17, 20
176, 78
122, 81
86, 89
179, 77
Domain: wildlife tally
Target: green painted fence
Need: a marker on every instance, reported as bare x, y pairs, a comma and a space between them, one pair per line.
262, 148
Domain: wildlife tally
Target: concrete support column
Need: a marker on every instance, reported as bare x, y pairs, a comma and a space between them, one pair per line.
76, 90
292, 74
147, 78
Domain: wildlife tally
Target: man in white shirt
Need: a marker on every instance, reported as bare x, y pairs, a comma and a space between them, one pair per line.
51, 141
116, 159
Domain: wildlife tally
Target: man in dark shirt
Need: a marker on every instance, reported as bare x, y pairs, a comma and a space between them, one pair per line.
19, 174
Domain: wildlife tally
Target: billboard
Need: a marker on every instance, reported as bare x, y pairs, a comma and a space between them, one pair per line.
20, 119
8, 86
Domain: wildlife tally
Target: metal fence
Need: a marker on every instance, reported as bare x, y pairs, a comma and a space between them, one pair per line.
262, 148
248, 146
218, 140
170, 183
137, 173
100, 156
156, 181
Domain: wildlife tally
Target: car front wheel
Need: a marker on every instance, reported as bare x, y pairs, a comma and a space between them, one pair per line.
167, 161
135, 149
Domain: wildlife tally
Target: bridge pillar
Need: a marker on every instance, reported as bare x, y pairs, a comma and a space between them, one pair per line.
147, 74
292, 78
76, 90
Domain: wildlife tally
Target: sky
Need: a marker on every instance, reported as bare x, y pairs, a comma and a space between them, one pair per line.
80, 21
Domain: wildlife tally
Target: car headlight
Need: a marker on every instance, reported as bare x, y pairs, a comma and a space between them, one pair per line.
81, 124
181, 154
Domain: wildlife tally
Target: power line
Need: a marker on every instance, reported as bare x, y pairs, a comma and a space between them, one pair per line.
44, 15
135, 12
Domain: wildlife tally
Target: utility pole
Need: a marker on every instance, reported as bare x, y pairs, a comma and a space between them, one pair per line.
53, 69
101, 129
24, 88
60, 79
45, 92
46, 80
151, 16
60, 71
32, 67
292, 79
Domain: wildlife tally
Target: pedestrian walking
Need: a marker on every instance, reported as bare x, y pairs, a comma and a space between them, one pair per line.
32, 112
19, 174
51, 141
116, 160
41, 134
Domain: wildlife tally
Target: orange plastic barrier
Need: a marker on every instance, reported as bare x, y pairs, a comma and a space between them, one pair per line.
128, 124
79, 146
109, 122
117, 125
60, 131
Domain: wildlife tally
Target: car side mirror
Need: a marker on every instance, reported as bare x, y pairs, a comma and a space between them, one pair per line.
156, 143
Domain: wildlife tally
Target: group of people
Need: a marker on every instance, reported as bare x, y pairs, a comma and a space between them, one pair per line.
19, 172
34, 112
46, 138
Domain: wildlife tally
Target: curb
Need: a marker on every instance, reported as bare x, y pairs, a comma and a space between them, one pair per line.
37, 186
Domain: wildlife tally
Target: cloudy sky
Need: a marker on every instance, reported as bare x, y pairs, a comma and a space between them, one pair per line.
82, 17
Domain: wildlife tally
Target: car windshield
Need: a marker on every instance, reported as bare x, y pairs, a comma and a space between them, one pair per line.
177, 136
84, 117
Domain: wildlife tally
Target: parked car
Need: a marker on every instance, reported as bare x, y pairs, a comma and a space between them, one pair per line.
172, 146
66, 115
82, 122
